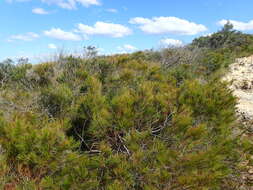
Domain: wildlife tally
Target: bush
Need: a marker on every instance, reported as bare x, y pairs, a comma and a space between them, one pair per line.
212, 62
32, 148
225, 38
56, 101
146, 125
6, 69
44, 73
127, 121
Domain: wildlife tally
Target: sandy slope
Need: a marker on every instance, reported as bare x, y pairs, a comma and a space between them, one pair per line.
241, 78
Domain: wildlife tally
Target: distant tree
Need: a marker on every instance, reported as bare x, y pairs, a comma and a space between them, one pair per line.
228, 27
23, 61
90, 52
227, 37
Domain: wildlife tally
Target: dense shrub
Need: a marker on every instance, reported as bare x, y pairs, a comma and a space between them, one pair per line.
212, 62
9, 72
136, 126
43, 73
56, 100
32, 149
227, 38
147, 120
6, 69
146, 125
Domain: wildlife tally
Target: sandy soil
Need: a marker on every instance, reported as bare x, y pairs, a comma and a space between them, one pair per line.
241, 78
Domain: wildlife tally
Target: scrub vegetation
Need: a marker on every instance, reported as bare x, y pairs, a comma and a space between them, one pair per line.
150, 120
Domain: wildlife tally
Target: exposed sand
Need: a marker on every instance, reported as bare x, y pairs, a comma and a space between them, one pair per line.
241, 78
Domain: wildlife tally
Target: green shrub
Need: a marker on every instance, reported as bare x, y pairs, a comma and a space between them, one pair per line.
45, 72
11, 72
6, 69
56, 101
212, 62
227, 38
32, 148
125, 122
166, 136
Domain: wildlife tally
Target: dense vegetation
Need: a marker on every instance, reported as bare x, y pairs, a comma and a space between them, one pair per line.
145, 121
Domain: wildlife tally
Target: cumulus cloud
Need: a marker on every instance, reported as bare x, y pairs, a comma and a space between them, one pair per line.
59, 34
106, 29
72, 4
171, 42
52, 46
168, 25
40, 11
23, 37
127, 48
238, 25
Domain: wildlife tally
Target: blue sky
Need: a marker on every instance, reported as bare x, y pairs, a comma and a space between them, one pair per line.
37, 28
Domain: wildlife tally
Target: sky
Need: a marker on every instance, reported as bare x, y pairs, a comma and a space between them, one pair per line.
40, 28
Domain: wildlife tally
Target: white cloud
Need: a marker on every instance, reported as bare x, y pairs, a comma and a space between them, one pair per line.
238, 25
106, 29
39, 11
59, 34
23, 37
168, 25
127, 48
171, 42
52, 46
72, 4
87, 3
112, 10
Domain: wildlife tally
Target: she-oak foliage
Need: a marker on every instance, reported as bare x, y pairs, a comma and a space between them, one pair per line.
123, 122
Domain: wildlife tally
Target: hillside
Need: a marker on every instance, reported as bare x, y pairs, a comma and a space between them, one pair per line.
147, 120
241, 79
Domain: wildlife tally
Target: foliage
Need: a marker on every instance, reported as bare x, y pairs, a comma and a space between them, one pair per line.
32, 148
43, 73
226, 38
55, 100
147, 120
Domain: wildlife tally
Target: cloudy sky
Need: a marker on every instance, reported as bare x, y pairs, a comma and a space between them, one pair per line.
34, 28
